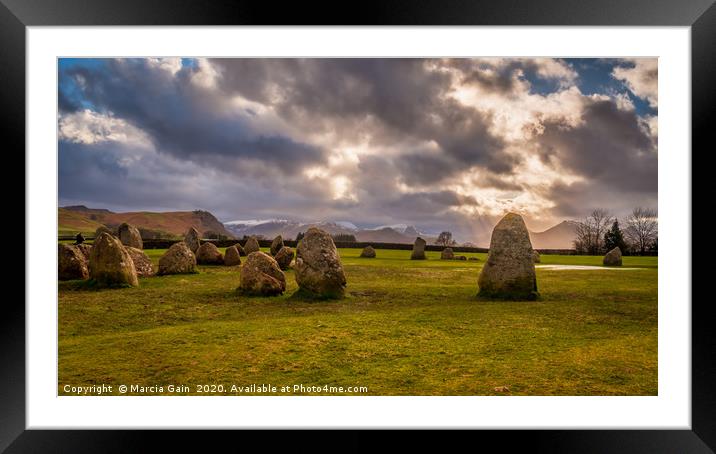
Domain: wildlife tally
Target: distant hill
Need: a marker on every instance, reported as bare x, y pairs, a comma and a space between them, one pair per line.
74, 219
269, 228
561, 236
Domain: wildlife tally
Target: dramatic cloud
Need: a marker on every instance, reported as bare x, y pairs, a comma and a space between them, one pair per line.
641, 77
438, 143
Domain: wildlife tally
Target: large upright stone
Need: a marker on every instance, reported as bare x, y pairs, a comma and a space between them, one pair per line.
71, 263
509, 272
142, 263
261, 275
447, 254
276, 245
110, 264
232, 256
319, 272
613, 257
129, 235
284, 257
209, 254
191, 238
178, 259
368, 252
252, 245
418, 249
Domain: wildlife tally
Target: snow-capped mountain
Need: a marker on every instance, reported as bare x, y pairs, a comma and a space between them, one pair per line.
269, 228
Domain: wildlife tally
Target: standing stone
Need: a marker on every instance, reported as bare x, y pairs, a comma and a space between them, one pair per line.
447, 254
232, 256
86, 250
178, 259
509, 272
209, 254
142, 262
536, 257
261, 275
110, 264
71, 263
284, 257
102, 229
129, 235
418, 249
368, 252
239, 248
613, 257
276, 245
252, 245
191, 238
79, 239
319, 272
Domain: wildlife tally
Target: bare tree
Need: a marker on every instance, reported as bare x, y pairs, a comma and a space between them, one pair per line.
590, 232
642, 229
445, 239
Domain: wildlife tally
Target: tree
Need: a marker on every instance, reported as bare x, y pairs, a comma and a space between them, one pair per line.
344, 238
642, 229
614, 238
299, 237
445, 239
590, 232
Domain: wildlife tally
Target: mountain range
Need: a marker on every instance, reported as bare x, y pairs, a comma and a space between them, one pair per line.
74, 219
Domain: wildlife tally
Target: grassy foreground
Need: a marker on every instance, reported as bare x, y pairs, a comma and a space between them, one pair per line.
405, 328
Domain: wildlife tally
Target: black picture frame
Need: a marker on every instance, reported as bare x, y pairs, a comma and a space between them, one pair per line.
16, 15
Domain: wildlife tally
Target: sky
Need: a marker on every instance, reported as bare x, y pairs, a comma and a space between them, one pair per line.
442, 144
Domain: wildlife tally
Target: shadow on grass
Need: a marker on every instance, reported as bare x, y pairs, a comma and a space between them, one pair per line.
89, 285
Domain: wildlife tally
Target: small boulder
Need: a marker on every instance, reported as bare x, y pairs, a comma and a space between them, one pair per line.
178, 259
447, 254
261, 275
251, 245
71, 263
79, 238
129, 235
284, 257
110, 264
276, 245
536, 257
460, 257
474, 259
509, 272
418, 250
232, 256
613, 257
191, 238
209, 254
368, 252
142, 263
319, 272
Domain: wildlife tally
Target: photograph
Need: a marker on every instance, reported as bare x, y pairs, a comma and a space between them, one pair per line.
357, 226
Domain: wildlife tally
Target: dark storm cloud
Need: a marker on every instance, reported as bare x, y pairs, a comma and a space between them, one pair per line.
181, 119
609, 147
401, 101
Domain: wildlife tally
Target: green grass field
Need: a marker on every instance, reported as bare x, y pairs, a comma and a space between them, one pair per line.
405, 328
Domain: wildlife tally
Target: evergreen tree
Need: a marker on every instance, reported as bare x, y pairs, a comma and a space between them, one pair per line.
614, 238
